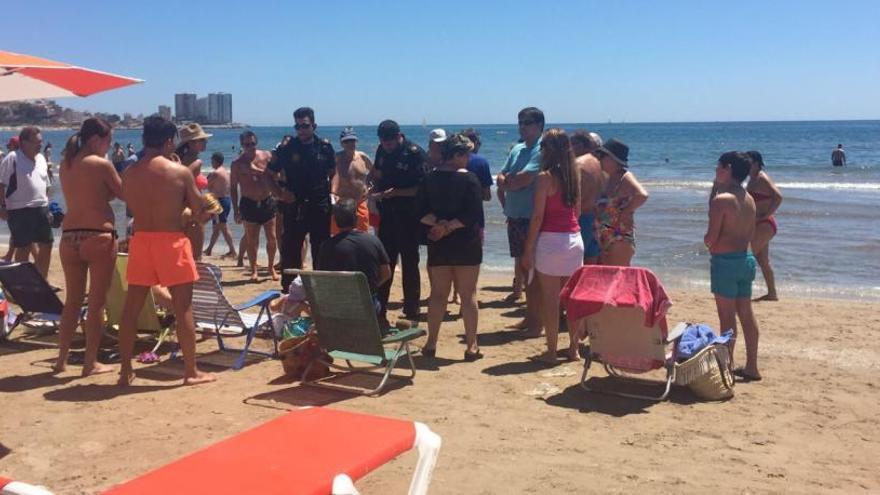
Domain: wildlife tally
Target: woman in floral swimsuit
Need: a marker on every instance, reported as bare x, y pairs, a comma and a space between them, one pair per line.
616, 207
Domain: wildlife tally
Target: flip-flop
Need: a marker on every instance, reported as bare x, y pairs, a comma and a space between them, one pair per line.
472, 356
745, 377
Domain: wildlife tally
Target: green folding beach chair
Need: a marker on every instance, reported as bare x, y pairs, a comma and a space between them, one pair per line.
347, 328
148, 319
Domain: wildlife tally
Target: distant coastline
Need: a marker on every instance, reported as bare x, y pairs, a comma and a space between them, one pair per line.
74, 127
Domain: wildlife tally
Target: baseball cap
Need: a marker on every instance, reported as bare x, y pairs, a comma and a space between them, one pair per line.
348, 134
437, 135
388, 129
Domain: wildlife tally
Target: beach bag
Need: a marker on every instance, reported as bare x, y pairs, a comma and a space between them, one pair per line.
707, 373
297, 353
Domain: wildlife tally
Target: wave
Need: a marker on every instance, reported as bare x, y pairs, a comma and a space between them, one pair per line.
816, 186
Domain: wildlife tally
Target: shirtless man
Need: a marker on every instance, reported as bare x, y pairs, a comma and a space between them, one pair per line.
156, 191
838, 156
350, 180
218, 185
257, 206
583, 144
731, 227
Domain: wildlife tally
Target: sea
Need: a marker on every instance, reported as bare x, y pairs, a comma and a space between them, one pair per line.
829, 235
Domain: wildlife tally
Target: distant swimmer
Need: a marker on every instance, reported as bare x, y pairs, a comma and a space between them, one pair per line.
838, 156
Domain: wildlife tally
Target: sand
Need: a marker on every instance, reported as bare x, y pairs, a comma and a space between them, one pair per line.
508, 425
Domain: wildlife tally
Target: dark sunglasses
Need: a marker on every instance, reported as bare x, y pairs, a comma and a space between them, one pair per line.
302, 126
526, 122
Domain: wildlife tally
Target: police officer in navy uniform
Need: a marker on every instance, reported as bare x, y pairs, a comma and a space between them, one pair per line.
398, 169
308, 163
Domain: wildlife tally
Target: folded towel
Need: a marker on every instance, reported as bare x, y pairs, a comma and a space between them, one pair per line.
698, 336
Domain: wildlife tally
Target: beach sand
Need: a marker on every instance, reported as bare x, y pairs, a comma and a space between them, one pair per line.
508, 425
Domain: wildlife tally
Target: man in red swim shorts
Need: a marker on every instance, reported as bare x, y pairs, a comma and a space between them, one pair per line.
157, 190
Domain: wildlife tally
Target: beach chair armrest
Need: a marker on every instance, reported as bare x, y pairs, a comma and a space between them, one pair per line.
260, 300
404, 335
676, 332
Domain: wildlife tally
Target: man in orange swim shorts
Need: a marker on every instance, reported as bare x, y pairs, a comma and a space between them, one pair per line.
157, 190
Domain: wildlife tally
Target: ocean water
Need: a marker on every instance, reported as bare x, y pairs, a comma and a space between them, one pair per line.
829, 239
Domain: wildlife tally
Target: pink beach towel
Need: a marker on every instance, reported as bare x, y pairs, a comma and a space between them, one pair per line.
593, 286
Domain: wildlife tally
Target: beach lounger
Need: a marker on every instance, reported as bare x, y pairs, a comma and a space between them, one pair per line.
25, 286
306, 451
625, 310
347, 327
213, 312
148, 319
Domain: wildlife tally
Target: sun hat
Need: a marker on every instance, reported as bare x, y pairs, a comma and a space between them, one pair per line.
437, 135
192, 132
616, 149
348, 134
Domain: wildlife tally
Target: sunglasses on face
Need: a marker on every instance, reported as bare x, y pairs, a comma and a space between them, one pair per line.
526, 122
300, 127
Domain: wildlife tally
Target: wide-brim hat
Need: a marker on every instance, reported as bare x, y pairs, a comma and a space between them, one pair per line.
191, 132
617, 150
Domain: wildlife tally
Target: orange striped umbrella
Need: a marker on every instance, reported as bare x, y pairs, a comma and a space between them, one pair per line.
23, 77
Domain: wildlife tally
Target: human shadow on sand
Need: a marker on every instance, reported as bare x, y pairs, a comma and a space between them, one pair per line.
575, 397
95, 393
498, 337
20, 383
518, 368
346, 386
19, 346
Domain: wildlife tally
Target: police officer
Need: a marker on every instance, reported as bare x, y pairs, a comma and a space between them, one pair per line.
399, 168
308, 163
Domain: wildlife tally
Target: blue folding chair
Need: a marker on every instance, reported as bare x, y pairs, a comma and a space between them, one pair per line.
25, 287
212, 311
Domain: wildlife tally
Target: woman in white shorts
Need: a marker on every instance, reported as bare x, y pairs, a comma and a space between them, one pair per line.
554, 248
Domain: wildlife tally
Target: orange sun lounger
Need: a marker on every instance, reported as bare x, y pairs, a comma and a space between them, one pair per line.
310, 450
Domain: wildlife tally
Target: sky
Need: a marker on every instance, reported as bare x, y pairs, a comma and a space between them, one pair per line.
452, 62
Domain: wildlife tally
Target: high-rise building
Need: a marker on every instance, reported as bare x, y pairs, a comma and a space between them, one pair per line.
219, 108
185, 106
201, 110
165, 112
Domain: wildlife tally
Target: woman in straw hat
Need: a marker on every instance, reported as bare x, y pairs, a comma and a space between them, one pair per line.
616, 207
194, 140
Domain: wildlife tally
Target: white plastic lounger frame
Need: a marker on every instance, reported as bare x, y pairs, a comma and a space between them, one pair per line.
428, 444
9, 487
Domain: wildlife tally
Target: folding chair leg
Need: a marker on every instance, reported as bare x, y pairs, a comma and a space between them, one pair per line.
239, 363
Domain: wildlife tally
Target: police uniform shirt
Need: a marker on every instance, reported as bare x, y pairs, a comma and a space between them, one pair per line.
401, 169
306, 167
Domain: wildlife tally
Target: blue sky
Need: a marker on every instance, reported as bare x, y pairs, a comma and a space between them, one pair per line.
358, 62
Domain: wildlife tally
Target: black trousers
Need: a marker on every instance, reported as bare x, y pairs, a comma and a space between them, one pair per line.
398, 231
301, 218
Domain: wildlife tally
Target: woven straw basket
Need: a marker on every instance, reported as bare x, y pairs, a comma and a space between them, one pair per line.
707, 373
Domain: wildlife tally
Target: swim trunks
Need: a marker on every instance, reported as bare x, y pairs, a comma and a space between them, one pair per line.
588, 234
258, 212
160, 258
362, 223
732, 274
517, 231
226, 204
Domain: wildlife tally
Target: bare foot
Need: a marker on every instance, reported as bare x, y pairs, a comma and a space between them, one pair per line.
573, 354
254, 277
97, 369
767, 297
514, 296
273, 273
520, 325
230, 254
207, 252
126, 378
548, 357
59, 367
199, 378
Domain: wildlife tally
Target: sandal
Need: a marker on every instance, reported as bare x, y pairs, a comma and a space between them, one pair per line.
470, 357
746, 377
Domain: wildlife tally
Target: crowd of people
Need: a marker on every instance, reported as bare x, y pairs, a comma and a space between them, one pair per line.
569, 199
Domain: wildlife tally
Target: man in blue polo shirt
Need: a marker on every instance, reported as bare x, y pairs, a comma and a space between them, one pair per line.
516, 191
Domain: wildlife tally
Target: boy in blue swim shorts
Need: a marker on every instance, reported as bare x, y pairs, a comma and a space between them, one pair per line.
731, 226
